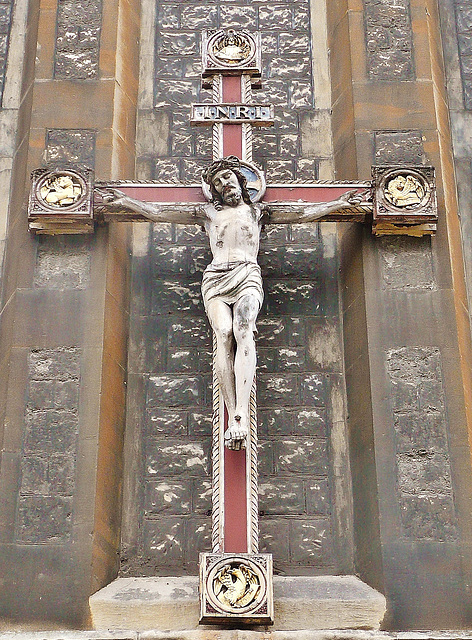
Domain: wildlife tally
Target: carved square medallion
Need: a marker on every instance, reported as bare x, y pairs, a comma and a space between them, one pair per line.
404, 195
236, 587
61, 200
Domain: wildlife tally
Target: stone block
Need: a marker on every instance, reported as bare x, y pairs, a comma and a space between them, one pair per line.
274, 422
197, 538
312, 422
414, 364
52, 394
54, 364
201, 500
234, 17
49, 431
152, 604
407, 265
278, 390
199, 17
189, 360
276, 17
170, 457
169, 296
289, 297
311, 542
168, 17
189, 332
73, 146
201, 424
281, 359
424, 470
44, 519
62, 268
165, 421
398, 147
301, 260
288, 67
177, 44
281, 497
314, 389
318, 500
167, 498
420, 430
428, 516
174, 391
164, 540
169, 260
47, 476
274, 536
299, 456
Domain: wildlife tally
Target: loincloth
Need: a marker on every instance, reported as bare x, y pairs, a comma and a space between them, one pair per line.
230, 282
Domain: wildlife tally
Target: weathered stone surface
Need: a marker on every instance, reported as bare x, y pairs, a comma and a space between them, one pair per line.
165, 421
167, 497
307, 456
44, 519
169, 457
389, 40
399, 147
148, 604
74, 146
174, 391
6, 9
464, 31
281, 497
78, 39
44, 510
422, 452
62, 263
407, 265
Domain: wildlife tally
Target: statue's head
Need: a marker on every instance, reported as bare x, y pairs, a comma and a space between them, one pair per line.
227, 183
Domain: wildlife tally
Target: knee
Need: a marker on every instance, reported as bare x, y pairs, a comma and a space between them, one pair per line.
243, 330
224, 335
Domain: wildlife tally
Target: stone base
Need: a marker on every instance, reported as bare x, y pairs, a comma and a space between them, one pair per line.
170, 604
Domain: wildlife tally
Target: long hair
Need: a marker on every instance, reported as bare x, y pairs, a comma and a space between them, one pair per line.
233, 164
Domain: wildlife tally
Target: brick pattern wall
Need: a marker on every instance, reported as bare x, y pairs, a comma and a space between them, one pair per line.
463, 15
287, 83
422, 449
71, 146
49, 449
299, 366
6, 10
77, 39
389, 37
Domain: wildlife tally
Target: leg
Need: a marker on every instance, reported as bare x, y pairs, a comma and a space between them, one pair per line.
221, 320
244, 323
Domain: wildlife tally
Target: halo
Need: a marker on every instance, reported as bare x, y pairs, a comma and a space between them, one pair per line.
256, 184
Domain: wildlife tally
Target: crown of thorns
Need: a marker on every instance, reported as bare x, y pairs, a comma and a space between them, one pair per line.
230, 162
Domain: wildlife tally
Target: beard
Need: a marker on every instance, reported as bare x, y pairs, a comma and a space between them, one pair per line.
232, 196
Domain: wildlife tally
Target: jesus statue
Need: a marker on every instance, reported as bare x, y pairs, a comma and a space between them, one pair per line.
232, 282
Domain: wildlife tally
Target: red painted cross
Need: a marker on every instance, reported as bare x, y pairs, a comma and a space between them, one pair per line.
235, 496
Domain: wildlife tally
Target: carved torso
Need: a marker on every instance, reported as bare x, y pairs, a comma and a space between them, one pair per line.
234, 233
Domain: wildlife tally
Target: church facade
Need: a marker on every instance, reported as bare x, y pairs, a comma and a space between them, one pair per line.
364, 383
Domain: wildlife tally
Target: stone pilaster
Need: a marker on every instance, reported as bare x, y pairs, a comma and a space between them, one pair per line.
64, 325
407, 396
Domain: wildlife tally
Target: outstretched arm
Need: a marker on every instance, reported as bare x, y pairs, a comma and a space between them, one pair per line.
154, 211
312, 212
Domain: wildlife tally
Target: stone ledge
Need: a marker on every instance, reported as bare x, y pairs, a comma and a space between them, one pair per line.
204, 634
171, 604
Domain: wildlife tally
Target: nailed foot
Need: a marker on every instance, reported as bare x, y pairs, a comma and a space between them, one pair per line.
236, 433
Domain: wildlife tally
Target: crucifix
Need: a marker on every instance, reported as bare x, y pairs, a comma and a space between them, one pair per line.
232, 204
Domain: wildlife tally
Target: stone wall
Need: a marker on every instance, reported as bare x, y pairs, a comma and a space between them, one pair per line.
304, 503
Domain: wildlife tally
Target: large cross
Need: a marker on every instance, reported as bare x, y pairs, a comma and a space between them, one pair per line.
404, 203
